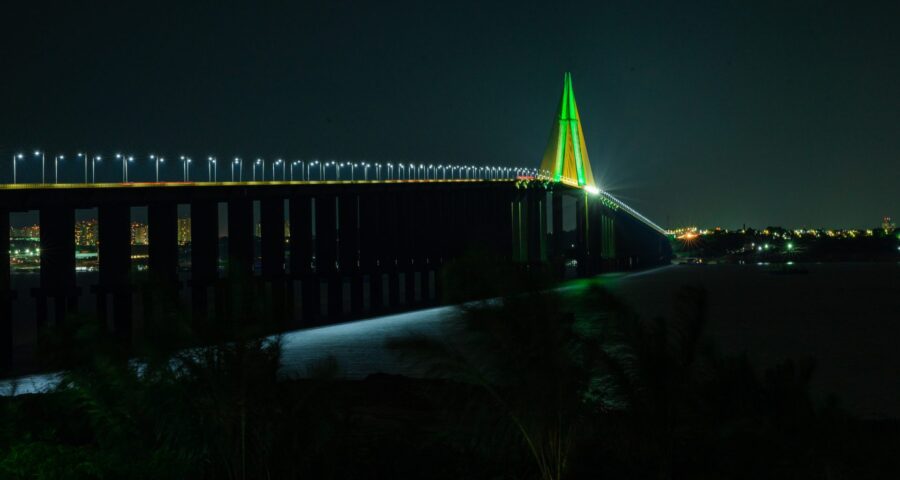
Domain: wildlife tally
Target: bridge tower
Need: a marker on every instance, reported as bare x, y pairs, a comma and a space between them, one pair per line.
566, 158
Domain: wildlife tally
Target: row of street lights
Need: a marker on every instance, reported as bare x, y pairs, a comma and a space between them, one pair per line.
379, 171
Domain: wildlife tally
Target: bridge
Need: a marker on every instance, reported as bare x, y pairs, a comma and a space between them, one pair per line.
327, 249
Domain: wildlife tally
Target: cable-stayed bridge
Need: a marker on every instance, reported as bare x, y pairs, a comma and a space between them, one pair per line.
345, 242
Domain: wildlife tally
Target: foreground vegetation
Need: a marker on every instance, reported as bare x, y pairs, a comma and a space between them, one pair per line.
539, 385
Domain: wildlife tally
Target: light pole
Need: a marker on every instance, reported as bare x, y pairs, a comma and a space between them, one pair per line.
56, 160
15, 157
122, 157
97, 158
158, 161
130, 160
276, 162
186, 167
210, 167
258, 162
366, 171
36, 153
85, 165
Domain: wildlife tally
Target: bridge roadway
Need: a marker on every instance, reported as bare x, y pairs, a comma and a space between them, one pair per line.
384, 241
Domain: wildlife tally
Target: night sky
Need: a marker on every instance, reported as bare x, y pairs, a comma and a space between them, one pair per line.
714, 113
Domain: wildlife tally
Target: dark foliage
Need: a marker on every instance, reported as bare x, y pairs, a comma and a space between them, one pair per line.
538, 383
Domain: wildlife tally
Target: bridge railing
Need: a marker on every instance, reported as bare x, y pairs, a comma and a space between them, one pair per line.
96, 168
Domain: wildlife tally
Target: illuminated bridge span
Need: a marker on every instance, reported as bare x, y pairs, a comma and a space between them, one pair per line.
352, 248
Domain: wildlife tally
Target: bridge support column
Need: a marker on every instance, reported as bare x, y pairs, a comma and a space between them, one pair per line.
409, 244
581, 233
240, 237
520, 231
272, 229
300, 211
433, 245
558, 245
370, 248
595, 235
57, 265
161, 294
115, 265
608, 242
6, 296
326, 253
534, 229
204, 256
348, 242
162, 219
241, 290
392, 238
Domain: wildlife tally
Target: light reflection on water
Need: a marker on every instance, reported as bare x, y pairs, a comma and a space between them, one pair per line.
846, 316
358, 347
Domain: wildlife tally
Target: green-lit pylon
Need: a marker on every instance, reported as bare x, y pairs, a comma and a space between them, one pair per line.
566, 156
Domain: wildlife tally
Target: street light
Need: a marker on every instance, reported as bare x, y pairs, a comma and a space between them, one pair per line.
85, 165
258, 162
186, 167
209, 168
240, 163
97, 158
36, 153
276, 162
15, 157
56, 160
158, 161
130, 160
122, 157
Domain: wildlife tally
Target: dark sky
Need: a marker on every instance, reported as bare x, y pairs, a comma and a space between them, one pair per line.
716, 113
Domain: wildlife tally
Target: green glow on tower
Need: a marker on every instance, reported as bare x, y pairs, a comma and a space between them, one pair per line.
561, 140
566, 156
573, 124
